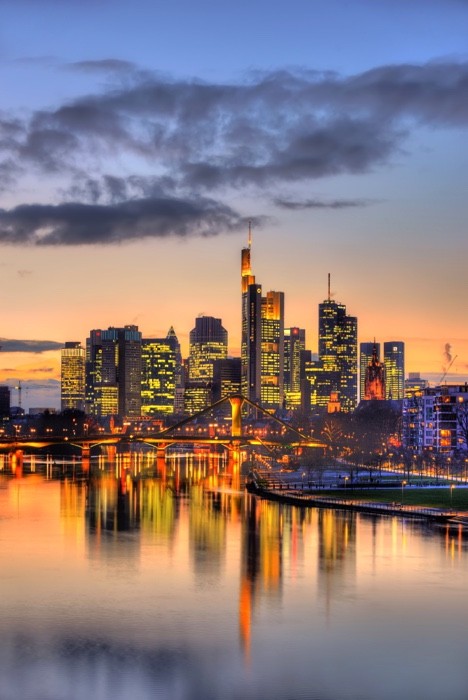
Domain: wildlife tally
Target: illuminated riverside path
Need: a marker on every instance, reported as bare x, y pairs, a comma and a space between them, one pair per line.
182, 587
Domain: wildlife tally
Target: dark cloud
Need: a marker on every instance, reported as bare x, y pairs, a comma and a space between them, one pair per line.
106, 65
293, 125
76, 223
191, 137
35, 346
24, 273
42, 370
320, 204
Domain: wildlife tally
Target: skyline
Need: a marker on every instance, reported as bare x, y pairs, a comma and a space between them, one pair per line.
344, 146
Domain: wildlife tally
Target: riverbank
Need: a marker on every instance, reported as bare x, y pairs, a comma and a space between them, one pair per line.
438, 503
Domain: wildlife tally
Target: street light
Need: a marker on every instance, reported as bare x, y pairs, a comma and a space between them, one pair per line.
452, 486
403, 484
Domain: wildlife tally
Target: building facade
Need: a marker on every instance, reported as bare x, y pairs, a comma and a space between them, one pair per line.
113, 372
338, 351
158, 376
394, 362
366, 351
208, 343
435, 419
294, 345
374, 378
72, 377
251, 330
272, 351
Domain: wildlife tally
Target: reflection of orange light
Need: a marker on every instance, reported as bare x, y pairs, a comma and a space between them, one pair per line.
245, 616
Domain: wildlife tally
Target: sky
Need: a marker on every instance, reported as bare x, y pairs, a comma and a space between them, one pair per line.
137, 139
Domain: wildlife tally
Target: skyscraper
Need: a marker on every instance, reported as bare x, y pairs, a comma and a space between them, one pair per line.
208, 343
226, 378
251, 332
158, 376
272, 350
4, 401
394, 361
338, 350
72, 378
113, 372
294, 344
179, 373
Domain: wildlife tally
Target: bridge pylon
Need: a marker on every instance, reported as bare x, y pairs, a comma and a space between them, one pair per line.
236, 415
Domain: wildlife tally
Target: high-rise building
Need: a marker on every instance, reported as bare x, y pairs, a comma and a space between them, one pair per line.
72, 377
5, 401
158, 376
294, 344
272, 351
179, 377
208, 343
226, 378
251, 332
394, 361
113, 372
338, 350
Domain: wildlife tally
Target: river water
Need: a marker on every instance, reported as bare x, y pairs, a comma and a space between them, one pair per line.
181, 586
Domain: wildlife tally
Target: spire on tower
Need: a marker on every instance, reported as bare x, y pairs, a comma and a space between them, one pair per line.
250, 233
329, 293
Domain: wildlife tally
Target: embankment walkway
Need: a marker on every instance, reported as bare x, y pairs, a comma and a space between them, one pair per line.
278, 492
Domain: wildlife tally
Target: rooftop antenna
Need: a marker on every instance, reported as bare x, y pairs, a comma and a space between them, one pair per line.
329, 293
250, 233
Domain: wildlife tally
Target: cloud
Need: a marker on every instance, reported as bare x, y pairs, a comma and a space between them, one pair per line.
106, 65
24, 273
77, 224
34, 346
188, 140
320, 204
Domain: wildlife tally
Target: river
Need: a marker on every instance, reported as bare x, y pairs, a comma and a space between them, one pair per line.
148, 581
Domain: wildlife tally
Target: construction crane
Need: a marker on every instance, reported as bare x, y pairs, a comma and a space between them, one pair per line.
447, 369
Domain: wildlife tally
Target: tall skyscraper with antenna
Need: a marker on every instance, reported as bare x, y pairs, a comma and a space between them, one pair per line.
338, 349
251, 332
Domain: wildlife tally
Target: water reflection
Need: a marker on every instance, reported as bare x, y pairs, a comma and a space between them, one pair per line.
142, 579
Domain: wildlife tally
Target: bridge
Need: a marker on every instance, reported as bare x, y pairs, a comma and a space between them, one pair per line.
236, 438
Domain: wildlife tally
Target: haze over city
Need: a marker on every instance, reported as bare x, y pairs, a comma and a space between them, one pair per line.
136, 145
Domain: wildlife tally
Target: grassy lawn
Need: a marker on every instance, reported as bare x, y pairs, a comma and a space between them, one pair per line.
427, 497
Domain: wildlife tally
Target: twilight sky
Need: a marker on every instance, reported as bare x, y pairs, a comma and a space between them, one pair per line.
138, 138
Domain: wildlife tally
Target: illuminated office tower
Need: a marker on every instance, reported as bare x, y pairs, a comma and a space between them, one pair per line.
394, 361
208, 343
251, 332
72, 378
113, 372
338, 350
272, 350
366, 351
158, 376
294, 345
